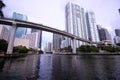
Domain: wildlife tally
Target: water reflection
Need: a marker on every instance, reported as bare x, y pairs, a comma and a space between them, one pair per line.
61, 67
20, 68
45, 71
1, 63
76, 67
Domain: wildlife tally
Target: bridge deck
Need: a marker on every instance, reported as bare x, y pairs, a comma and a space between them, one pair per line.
8, 21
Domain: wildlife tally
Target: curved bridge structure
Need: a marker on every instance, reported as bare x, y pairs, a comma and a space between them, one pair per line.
16, 23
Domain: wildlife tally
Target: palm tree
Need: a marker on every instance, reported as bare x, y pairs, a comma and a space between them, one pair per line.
1, 6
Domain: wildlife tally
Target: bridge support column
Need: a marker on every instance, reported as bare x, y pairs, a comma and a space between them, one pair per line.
74, 46
12, 38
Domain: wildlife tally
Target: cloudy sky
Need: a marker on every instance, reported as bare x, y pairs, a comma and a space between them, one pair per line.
52, 12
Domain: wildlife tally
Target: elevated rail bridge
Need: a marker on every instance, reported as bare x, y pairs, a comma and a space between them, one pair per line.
16, 23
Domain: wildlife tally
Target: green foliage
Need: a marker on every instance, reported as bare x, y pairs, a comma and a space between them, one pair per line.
111, 49
31, 49
20, 49
94, 49
82, 48
3, 45
117, 49
40, 52
87, 48
35, 50
67, 49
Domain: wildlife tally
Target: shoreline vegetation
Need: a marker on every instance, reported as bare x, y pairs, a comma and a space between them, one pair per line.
92, 49
20, 51
88, 53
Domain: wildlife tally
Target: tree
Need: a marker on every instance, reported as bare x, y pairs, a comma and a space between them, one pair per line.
111, 49
31, 49
87, 48
69, 49
94, 49
82, 48
1, 6
41, 52
3, 45
20, 49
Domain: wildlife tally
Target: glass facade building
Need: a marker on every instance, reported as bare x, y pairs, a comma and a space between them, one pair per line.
103, 33
57, 41
117, 32
39, 36
20, 31
91, 26
75, 23
117, 37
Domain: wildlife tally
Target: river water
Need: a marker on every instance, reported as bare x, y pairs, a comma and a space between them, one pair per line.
61, 67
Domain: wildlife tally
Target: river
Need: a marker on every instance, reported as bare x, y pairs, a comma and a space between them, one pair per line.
61, 67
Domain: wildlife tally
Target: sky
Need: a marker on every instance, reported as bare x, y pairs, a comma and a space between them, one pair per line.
52, 13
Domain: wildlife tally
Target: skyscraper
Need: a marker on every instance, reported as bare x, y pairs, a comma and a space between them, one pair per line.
20, 31
4, 33
117, 32
56, 41
117, 37
75, 22
103, 33
91, 26
39, 36
117, 40
48, 47
22, 42
33, 40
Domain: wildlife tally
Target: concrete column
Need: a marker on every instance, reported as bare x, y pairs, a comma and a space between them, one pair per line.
12, 38
74, 45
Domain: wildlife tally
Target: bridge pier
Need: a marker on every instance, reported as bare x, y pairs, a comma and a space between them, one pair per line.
12, 38
74, 46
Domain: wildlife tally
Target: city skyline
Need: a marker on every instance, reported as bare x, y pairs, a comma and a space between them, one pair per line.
57, 10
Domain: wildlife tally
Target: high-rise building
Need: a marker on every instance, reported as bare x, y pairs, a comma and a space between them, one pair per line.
22, 42
56, 41
48, 47
34, 30
33, 40
20, 31
63, 43
75, 23
117, 32
117, 37
91, 26
103, 33
4, 33
117, 40
39, 35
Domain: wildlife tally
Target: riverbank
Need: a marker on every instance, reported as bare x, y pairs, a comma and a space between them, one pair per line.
90, 53
11, 55
15, 55
60, 53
